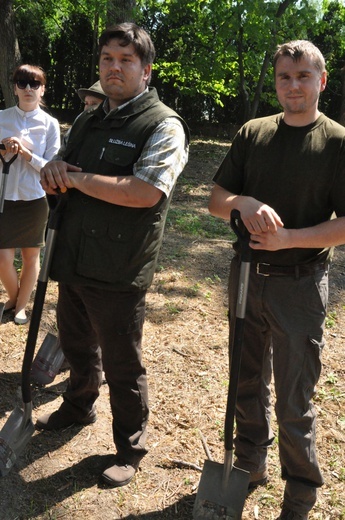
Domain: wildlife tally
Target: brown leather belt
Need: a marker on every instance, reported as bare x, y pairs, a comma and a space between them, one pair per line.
296, 271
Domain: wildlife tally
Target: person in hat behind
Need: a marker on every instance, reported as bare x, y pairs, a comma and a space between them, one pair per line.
92, 96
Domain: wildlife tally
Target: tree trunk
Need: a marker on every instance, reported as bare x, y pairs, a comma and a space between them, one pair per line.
280, 11
120, 11
93, 77
243, 89
9, 51
342, 108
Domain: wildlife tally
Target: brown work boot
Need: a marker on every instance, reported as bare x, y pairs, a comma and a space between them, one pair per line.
257, 479
288, 514
63, 419
120, 474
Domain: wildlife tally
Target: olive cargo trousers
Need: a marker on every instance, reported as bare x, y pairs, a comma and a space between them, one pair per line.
283, 337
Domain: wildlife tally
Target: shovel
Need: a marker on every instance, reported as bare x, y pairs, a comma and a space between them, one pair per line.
19, 427
223, 488
3, 183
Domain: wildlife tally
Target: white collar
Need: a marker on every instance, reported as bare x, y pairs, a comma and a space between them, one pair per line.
23, 113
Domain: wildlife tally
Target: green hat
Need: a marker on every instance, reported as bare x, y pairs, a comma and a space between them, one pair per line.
95, 90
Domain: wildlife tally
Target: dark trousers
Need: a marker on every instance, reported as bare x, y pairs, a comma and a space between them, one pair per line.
283, 336
101, 329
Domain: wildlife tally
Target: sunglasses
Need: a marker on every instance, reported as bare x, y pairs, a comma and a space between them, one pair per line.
34, 84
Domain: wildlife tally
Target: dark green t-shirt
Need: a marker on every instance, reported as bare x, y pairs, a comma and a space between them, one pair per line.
298, 171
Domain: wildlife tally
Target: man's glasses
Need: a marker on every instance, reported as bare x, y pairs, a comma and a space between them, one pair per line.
34, 84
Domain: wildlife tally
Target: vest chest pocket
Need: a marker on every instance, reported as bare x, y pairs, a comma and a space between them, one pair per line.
121, 153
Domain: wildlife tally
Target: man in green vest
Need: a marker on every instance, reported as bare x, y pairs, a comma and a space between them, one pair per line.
120, 167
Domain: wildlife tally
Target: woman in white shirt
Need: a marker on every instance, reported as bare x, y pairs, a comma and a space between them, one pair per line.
28, 130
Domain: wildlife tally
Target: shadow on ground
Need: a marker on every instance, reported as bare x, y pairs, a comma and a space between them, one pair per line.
37, 499
181, 510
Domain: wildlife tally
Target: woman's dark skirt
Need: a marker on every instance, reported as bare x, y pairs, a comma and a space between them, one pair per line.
23, 223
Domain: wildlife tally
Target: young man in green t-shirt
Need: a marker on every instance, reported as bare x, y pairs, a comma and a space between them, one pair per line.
285, 174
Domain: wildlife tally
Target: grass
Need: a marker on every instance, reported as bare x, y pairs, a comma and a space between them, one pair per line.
331, 319
198, 224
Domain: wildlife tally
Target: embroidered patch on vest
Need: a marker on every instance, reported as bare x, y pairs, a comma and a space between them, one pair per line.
122, 143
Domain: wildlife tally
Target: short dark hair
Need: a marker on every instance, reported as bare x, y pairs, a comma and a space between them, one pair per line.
130, 33
297, 49
29, 73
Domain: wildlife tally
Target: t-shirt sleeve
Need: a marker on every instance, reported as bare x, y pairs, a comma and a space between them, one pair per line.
230, 173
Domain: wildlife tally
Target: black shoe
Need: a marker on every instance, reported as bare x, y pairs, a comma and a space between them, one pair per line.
62, 419
288, 514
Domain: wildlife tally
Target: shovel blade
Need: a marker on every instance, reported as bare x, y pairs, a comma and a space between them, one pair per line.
216, 500
14, 436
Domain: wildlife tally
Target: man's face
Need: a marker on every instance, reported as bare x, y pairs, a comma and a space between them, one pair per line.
298, 86
121, 72
91, 101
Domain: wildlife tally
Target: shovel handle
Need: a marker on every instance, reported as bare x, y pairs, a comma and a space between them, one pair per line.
42, 282
237, 329
57, 204
5, 172
243, 235
7, 164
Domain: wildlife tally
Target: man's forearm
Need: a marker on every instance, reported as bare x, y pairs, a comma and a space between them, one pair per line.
326, 234
125, 191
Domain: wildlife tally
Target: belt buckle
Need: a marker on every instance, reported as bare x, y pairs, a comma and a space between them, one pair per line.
258, 269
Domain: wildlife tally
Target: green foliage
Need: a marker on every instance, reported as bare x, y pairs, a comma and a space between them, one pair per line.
71, 61
33, 37
216, 49
211, 54
329, 36
58, 38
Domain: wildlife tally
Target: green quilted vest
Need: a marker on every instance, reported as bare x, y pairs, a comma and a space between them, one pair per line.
101, 244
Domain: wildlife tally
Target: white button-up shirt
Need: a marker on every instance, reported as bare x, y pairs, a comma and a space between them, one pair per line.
40, 133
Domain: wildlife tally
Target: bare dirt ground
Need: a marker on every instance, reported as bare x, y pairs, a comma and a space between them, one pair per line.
185, 351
